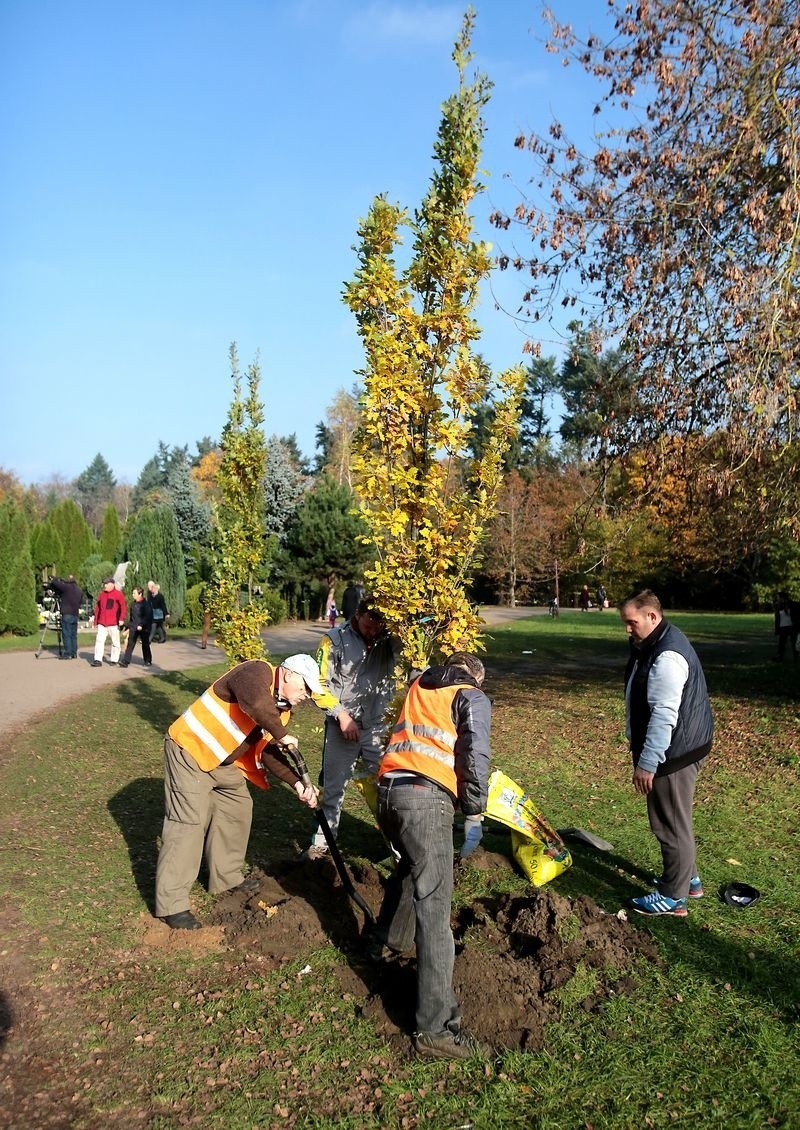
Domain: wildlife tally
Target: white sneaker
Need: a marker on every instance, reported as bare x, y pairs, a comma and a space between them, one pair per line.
314, 852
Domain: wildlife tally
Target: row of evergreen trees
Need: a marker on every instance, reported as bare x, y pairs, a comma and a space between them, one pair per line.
63, 543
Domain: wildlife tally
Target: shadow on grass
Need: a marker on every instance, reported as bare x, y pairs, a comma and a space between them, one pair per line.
153, 705
745, 966
138, 809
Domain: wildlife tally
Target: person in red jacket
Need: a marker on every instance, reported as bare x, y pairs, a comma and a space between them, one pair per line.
110, 611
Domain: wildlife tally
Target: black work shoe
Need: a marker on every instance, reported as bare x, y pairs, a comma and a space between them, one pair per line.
449, 1045
96, 663
183, 920
123, 663
248, 886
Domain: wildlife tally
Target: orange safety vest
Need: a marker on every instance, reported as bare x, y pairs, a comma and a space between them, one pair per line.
424, 739
211, 729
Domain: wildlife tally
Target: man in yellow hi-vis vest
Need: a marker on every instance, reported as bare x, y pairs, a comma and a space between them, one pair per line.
231, 734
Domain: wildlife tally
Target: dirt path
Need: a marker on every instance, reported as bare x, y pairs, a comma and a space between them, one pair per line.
34, 686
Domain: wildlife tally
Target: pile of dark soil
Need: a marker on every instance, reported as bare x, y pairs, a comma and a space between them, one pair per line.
513, 953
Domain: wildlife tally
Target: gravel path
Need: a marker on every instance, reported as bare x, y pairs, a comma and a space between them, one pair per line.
32, 686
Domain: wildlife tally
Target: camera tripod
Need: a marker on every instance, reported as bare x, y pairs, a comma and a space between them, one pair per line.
52, 623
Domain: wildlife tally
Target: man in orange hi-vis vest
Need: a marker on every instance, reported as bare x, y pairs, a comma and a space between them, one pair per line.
231, 734
437, 758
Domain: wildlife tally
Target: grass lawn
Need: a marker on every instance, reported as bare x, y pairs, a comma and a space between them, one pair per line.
139, 1036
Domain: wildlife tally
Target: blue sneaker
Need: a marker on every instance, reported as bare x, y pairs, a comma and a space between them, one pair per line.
695, 887
656, 903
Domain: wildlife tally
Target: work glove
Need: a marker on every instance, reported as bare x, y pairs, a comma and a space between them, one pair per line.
473, 834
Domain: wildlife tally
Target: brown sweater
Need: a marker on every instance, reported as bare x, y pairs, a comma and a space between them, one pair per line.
252, 685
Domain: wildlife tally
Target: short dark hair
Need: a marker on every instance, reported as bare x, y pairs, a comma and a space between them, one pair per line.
367, 604
644, 599
467, 662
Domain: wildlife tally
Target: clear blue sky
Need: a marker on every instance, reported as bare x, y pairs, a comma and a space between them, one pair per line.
176, 175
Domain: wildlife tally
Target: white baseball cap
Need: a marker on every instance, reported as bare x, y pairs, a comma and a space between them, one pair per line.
304, 665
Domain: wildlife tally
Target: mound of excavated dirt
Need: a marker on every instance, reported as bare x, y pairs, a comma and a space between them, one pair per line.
513, 953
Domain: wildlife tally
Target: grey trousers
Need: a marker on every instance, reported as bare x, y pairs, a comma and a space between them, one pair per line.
417, 819
339, 758
669, 809
205, 813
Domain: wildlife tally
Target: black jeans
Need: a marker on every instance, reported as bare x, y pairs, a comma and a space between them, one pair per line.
133, 636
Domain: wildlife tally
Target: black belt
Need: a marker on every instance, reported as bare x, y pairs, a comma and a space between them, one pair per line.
412, 781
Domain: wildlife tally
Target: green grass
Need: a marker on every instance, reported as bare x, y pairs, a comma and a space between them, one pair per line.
708, 1038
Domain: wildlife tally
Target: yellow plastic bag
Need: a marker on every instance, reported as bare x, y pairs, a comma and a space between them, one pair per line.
367, 785
535, 845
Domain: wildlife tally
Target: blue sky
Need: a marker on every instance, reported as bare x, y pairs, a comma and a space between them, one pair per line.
176, 175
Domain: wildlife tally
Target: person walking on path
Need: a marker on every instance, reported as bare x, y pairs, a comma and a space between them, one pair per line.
670, 728
356, 662
158, 609
351, 598
110, 611
437, 758
141, 621
70, 595
230, 735
204, 597
787, 623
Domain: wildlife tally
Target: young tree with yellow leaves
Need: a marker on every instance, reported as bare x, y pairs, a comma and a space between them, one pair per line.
425, 510
239, 541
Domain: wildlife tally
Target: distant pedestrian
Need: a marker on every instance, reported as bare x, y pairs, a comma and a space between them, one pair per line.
141, 621
351, 598
333, 612
158, 608
70, 595
584, 599
602, 597
787, 623
110, 611
206, 616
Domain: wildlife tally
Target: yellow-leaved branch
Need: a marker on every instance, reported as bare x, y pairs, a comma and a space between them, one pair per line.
425, 503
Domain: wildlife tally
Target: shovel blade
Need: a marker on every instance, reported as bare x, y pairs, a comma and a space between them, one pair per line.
585, 837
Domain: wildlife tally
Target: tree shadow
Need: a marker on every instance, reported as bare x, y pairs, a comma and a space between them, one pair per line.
152, 704
751, 968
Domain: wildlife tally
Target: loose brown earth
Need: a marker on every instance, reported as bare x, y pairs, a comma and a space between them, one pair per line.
512, 955
512, 952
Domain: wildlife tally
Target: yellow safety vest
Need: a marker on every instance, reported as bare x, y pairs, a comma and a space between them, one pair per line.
211, 729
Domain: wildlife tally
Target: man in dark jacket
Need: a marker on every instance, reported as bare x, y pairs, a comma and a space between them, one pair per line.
437, 758
139, 625
70, 595
670, 728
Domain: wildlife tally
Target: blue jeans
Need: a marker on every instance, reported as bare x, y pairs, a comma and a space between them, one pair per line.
69, 635
418, 821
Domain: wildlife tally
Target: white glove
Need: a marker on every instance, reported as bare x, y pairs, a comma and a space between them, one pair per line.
473, 834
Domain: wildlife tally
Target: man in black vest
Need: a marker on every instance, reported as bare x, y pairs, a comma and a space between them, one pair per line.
670, 728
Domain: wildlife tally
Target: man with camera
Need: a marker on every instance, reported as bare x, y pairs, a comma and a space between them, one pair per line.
70, 596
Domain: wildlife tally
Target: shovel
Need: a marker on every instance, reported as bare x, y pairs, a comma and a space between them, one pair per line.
584, 837
294, 755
